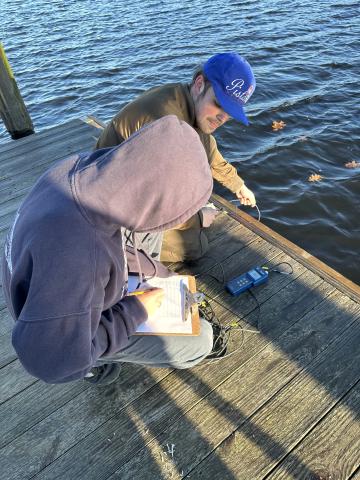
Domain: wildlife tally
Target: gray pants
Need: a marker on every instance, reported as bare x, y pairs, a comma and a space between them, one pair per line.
149, 242
176, 351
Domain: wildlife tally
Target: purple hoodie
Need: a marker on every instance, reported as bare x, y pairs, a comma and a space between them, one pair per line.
65, 268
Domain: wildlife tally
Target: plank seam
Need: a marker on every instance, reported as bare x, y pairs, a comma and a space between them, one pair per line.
320, 420
99, 426
269, 399
155, 437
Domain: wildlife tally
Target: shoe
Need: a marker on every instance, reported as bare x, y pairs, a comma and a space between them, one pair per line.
104, 374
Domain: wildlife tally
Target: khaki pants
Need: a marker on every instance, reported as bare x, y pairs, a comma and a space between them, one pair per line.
185, 242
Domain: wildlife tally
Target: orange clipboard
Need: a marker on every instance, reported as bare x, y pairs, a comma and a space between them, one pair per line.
194, 311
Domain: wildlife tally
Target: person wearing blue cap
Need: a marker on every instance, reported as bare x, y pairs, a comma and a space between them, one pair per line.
219, 90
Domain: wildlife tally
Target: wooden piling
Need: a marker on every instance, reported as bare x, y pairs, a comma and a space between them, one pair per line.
12, 107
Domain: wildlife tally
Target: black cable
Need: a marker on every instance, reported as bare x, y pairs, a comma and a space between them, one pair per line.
258, 308
222, 333
209, 269
233, 312
265, 267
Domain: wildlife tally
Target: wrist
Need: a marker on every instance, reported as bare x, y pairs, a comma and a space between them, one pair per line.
238, 191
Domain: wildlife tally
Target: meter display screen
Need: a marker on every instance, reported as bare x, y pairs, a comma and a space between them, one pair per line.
254, 275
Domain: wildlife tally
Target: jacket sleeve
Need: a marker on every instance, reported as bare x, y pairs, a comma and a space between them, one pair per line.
223, 171
120, 128
64, 349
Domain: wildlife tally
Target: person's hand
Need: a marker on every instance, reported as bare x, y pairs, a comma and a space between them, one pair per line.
208, 216
151, 299
246, 196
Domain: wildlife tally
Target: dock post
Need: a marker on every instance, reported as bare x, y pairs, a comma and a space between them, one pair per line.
12, 107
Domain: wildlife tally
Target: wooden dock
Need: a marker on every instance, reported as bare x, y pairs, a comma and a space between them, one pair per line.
284, 405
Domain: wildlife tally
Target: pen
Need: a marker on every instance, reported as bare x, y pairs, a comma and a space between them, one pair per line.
139, 292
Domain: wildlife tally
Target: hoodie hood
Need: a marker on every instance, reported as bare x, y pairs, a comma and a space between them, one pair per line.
154, 181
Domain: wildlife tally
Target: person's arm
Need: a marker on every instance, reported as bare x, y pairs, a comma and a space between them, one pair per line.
226, 175
223, 171
121, 127
66, 323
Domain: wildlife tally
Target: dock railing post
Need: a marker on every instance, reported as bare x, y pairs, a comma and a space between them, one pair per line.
12, 107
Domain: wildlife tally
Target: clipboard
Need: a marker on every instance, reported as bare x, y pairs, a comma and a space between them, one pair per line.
190, 326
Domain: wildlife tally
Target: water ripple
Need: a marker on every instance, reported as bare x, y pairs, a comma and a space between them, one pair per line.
78, 57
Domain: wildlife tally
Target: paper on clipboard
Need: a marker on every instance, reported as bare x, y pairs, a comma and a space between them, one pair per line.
171, 318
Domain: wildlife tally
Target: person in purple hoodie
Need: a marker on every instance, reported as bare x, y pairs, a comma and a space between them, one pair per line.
65, 267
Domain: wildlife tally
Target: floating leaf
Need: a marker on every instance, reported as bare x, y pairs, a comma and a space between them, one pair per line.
352, 164
315, 177
278, 125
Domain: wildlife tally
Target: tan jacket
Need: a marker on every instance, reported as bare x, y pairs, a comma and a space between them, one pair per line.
172, 99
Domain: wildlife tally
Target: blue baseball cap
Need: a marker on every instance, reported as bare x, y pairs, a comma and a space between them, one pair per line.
233, 82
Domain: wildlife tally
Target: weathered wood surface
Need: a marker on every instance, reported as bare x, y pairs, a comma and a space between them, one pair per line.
311, 262
12, 107
330, 447
284, 404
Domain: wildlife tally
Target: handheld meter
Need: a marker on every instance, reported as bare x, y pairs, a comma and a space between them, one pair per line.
252, 278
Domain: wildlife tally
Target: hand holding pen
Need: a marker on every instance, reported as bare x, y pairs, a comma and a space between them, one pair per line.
151, 299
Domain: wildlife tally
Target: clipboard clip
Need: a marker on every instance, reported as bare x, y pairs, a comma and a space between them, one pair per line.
192, 299
197, 297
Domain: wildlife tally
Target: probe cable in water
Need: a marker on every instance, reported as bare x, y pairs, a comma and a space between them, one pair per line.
257, 208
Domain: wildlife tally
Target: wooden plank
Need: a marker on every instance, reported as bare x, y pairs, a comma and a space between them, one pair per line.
32, 404
34, 153
7, 353
10, 351
8, 208
241, 260
285, 298
87, 411
222, 225
329, 274
45, 149
231, 243
228, 407
331, 449
268, 436
2, 299
18, 182
15, 171
13, 380
22, 145
244, 306
6, 322
54, 444
167, 402
235, 252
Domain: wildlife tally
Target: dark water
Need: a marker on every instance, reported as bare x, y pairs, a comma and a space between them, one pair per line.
77, 57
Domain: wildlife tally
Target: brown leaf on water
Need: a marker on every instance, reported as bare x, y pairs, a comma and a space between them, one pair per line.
352, 164
278, 125
315, 177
